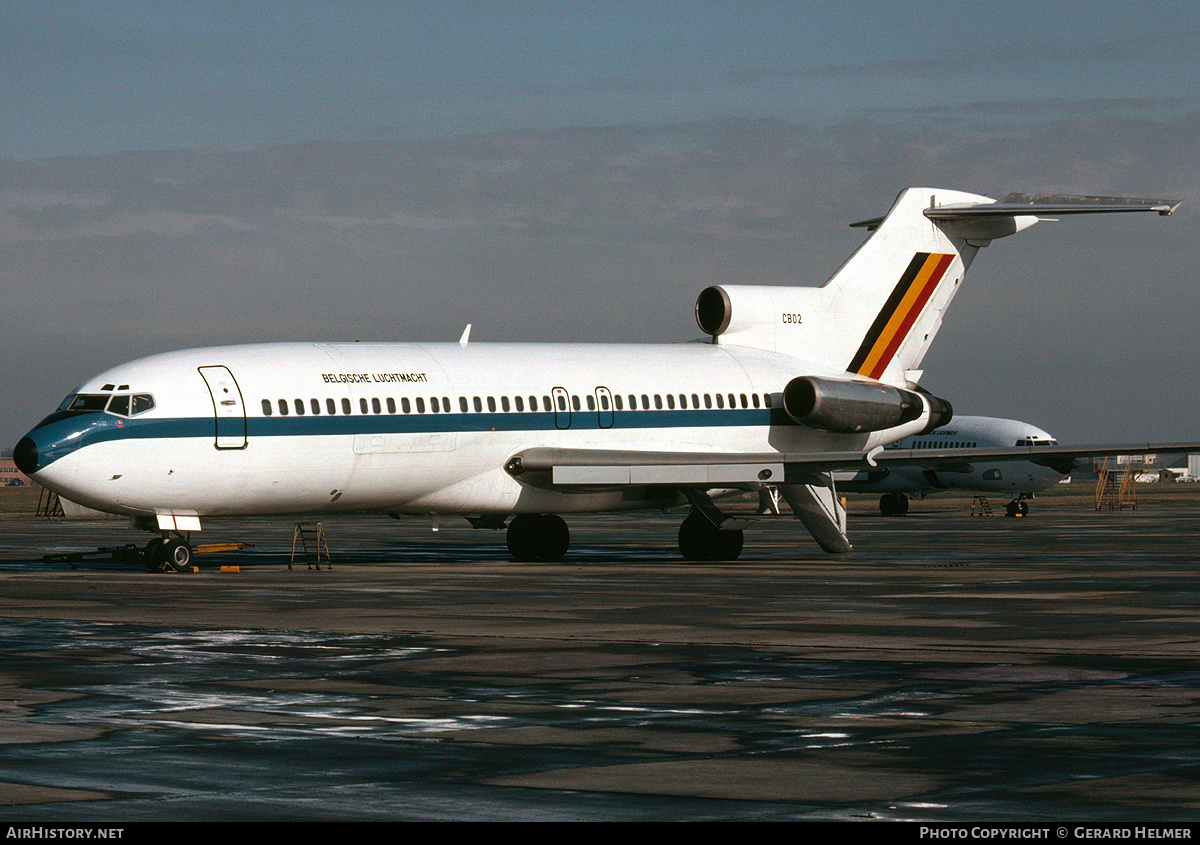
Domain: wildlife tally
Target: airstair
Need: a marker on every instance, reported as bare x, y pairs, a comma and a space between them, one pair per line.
1116, 488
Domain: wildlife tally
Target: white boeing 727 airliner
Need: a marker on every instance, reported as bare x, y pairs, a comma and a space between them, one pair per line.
790, 384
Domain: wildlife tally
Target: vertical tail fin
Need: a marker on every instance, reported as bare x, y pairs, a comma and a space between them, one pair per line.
888, 299
878, 314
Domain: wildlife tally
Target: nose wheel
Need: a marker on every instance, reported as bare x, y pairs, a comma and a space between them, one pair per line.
165, 554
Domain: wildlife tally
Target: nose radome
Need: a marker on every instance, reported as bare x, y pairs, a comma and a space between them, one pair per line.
25, 456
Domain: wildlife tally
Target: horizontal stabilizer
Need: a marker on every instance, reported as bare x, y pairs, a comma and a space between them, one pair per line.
1041, 205
1034, 205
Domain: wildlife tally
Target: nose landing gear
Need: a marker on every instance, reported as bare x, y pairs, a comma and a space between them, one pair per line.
168, 554
1017, 507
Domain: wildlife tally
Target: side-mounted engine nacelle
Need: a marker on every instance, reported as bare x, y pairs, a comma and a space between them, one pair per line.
849, 407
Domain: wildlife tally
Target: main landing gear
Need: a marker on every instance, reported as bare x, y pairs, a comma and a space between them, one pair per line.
543, 537
167, 554
699, 539
893, 504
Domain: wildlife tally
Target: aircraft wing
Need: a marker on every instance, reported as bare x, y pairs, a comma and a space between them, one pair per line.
680, 469
570, 467
1060, 458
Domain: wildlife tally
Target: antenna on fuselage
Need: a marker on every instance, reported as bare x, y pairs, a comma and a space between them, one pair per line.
466, 335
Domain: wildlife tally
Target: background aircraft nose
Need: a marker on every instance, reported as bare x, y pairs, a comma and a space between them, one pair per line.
25, 456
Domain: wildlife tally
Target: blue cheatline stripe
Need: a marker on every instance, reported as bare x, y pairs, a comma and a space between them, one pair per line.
64, 436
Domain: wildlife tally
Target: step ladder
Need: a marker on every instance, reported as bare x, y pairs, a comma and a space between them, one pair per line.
1115, 489
980, 507
311, 537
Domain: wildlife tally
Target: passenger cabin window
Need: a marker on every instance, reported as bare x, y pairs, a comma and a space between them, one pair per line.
300, 407
330, 406
266, 407
345, 406
405, 405
283, 407
462, 404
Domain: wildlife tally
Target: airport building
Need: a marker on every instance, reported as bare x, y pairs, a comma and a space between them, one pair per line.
10, 476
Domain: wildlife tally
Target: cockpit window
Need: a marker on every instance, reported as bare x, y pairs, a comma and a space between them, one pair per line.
131, 406
85, 402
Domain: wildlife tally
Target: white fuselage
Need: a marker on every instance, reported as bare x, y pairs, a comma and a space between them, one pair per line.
311, 427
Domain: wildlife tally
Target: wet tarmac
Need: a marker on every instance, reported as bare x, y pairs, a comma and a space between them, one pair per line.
949, 669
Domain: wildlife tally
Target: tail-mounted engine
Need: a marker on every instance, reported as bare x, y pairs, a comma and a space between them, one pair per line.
759, 316
848, 407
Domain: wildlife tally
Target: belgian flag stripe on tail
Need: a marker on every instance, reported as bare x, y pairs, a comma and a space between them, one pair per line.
901, 310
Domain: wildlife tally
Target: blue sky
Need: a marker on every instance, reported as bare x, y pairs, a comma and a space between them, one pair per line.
97, 77
183, 174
